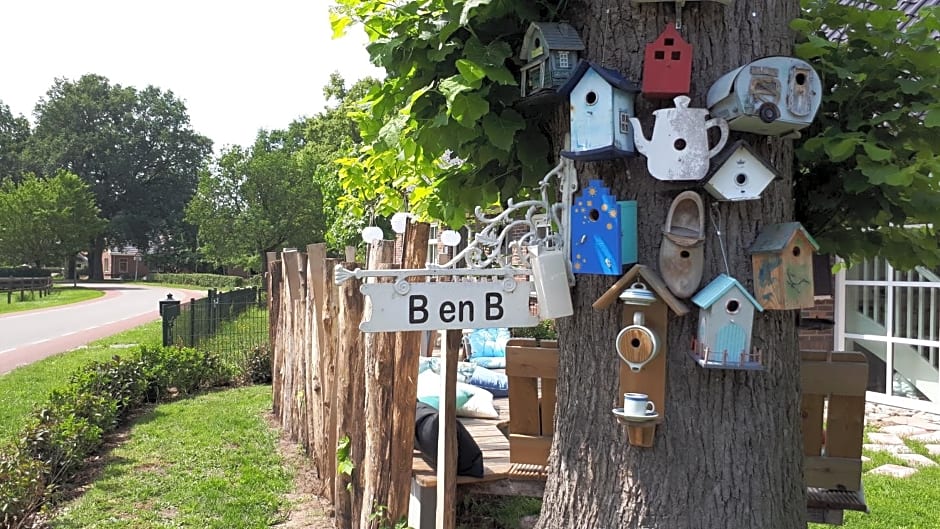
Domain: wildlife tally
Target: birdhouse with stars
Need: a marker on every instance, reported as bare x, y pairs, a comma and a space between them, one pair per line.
773, 96
601, 103
667, 66
726, 317
595, 232
782, 260
550, 53
739, 173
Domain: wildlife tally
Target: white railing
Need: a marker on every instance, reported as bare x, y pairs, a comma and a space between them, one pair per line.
894, 314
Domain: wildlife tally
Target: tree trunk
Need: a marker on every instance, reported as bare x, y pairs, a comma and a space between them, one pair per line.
728, 454
95, 272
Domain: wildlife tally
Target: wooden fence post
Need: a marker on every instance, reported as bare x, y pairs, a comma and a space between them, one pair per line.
330, 341
317, 418
274, 314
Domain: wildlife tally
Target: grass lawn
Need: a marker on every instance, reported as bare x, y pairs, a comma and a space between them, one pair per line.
61, 295
203, 462
25, 387
908, 503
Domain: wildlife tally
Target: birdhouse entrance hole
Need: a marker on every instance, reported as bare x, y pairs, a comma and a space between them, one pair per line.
594, 215
740, 179
635, 342
733, 306
591, 97
801, 78
684, 254
679, 144
796, 251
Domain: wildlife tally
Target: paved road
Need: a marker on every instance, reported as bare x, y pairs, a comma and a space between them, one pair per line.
26, 337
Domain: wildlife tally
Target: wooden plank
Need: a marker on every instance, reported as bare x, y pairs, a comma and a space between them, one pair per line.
531, 362
274, 310
651, 380
329, 327
445, 515
317, 415
832, 472
826, 516
350, 402
547, 406
845, 426
379, 376
811, 411
414, 255
524, 406
836, 378
652, 281
529, 449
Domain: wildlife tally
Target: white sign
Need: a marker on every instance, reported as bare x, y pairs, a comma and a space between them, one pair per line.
452, 305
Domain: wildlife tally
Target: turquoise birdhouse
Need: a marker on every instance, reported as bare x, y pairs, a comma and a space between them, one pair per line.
596, 241
726, 316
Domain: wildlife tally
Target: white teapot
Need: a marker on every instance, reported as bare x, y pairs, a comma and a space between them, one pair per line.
679, 147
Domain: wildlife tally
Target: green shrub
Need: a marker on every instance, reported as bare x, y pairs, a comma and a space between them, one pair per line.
23, 271
544, 331
201, 280
99, 410
60, 443
257, 367
182, 368
121, 379
22, 487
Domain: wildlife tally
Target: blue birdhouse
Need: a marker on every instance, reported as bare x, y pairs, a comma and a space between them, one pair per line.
726, 316
602, 103
628, 231
773, 96
550, 53
595, 232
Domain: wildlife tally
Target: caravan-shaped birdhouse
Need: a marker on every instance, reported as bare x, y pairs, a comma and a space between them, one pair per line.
601, 107
726, 317
595, 232
771, 96
550, 52
667, 66
782, 258
739, 173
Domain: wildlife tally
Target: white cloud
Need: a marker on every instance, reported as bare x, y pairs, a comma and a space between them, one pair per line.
238, 65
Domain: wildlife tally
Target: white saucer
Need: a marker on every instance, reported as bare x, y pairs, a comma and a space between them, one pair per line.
648, 417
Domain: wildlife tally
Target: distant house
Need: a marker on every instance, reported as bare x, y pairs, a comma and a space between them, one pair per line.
124, 262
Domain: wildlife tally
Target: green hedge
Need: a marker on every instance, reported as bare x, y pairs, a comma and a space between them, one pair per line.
205, 280
70, 425
23, 271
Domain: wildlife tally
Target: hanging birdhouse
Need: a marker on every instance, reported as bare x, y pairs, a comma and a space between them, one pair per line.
679, 147
782, 261
724, 326
595, 232
772, 96
667, 66
550, 53
601, 107
739, 173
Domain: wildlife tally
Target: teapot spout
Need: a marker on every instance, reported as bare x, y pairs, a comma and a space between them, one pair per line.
642, 144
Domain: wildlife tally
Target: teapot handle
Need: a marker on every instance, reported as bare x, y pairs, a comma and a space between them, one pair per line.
723, 126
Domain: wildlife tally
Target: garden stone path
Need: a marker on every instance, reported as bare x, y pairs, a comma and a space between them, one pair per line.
891, 427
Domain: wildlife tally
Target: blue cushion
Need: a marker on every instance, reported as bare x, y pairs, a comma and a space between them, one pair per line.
490, 362
488, 342
495, 383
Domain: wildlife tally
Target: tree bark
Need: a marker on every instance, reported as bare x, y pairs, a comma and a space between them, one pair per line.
728, 454
95, 272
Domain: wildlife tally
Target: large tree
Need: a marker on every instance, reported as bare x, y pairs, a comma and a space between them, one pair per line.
135, 148
728, 455
46, 220
256, 200
14, 132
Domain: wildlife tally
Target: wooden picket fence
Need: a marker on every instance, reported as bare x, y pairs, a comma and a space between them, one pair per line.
333, 382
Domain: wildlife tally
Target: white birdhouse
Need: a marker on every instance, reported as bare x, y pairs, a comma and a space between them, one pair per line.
601, 107
726, 315
739, 173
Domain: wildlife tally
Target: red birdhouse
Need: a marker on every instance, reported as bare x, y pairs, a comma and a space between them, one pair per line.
667, 66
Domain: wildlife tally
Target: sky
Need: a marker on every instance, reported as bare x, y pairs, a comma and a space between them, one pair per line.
239, 66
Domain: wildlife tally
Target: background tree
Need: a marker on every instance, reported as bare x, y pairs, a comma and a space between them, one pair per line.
46, 221
869, 165
728, 454
14, 132
135, 149
256, 200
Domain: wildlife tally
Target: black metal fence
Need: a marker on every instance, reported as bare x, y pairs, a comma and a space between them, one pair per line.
223, 323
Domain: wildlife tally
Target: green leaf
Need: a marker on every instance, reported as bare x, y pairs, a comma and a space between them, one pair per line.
875, 152
468, 108
841, 150
500, 130
877, 173
932, 118
470, 70
453, 86
470, 6
339, 24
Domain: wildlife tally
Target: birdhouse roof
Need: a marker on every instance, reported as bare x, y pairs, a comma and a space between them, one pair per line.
613, 77
671, 33
651, 280
557, 36
776, 237
718, 288
728, 152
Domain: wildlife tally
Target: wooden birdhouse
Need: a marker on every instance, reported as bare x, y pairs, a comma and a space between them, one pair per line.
550, 53
782, 261
595, 232
654, 305
739, 173
667, 66
723, 339
601, 107
773, 96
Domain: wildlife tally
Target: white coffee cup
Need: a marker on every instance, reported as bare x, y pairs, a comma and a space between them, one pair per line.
638, 405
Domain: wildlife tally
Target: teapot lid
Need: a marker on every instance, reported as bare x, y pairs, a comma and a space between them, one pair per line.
637, 294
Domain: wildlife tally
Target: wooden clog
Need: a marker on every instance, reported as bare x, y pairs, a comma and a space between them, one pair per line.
681, 254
